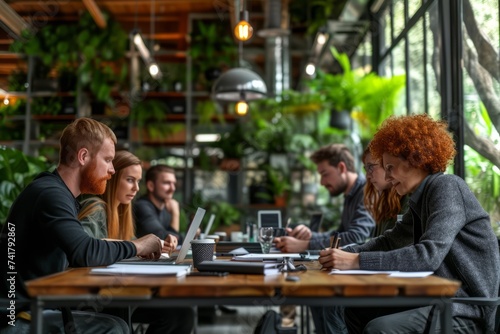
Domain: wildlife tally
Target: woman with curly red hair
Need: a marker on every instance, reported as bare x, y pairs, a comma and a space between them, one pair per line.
445, 231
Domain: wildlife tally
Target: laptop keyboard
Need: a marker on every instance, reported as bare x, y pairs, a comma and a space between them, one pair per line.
144, 260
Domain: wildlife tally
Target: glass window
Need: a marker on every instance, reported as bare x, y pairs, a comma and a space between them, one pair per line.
398, 16
416, 72
398, 68
481, 90
413, 6
386, 24
433, 96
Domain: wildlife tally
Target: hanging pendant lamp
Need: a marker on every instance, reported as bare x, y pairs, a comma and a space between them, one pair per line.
239, 84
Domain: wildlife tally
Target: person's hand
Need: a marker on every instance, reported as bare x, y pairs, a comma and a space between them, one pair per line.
338, 259
291, 244
301, 232
172, 206
170, 244
149, 246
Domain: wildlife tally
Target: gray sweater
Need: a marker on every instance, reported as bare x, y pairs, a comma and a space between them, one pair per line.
445, 231
356, 223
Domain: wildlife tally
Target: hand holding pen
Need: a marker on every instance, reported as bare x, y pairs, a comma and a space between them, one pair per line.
334, 257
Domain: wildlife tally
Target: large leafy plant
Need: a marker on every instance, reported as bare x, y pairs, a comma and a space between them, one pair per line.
16, 171
369, 98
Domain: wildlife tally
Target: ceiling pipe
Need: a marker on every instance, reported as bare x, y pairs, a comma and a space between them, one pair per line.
277, 48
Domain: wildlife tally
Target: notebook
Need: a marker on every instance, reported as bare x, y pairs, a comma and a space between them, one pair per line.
193, 228
239, 267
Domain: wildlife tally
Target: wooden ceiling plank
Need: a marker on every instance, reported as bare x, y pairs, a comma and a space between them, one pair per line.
96, 13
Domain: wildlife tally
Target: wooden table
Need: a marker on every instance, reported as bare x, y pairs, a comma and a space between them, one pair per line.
76, 287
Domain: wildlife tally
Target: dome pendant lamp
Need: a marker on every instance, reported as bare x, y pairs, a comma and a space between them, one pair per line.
240, 84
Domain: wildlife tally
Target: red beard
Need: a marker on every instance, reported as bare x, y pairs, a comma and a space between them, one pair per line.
90, 184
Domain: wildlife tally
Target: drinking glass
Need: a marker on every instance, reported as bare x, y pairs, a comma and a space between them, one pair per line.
266, 236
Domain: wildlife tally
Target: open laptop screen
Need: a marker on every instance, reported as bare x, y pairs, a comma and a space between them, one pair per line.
315, 222
186, 244
209, 225
269, 218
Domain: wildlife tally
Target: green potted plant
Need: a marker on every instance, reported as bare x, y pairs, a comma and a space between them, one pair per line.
16, 171
278, 182
227, 216
234, 146
369, 98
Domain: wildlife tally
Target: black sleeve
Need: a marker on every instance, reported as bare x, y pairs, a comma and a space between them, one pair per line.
63, 228
147, 220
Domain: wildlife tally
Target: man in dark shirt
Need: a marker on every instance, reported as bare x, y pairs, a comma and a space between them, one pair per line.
43, 236
335, 165
158, 212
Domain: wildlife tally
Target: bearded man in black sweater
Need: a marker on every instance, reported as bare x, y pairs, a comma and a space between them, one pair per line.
48, 235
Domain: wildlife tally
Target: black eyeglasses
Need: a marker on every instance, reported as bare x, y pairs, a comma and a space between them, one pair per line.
369, 168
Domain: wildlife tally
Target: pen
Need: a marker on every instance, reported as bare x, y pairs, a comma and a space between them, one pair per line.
333, 240
337, 243
287, 225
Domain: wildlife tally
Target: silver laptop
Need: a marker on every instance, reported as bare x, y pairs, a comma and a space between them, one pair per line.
209, 225
181, 256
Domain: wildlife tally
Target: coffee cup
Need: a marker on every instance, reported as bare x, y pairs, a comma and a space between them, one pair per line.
203, 250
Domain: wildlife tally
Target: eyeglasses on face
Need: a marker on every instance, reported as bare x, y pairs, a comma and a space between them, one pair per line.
369, 168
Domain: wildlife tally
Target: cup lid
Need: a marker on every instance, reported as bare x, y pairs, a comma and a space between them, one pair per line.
203, 241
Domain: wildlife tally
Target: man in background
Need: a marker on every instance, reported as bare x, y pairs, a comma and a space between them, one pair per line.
158, 212
335, 165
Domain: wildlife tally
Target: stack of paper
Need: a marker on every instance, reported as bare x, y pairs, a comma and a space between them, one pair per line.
142, 269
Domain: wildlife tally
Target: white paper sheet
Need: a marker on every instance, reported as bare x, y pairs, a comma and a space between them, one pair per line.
415, 274
359, 272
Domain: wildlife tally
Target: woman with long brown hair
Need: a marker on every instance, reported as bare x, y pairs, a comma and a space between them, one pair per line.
110, 217
380, 198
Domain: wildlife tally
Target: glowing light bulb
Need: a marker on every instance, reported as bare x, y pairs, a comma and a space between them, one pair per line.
243, 31
310, 69
241, 108
154, 70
